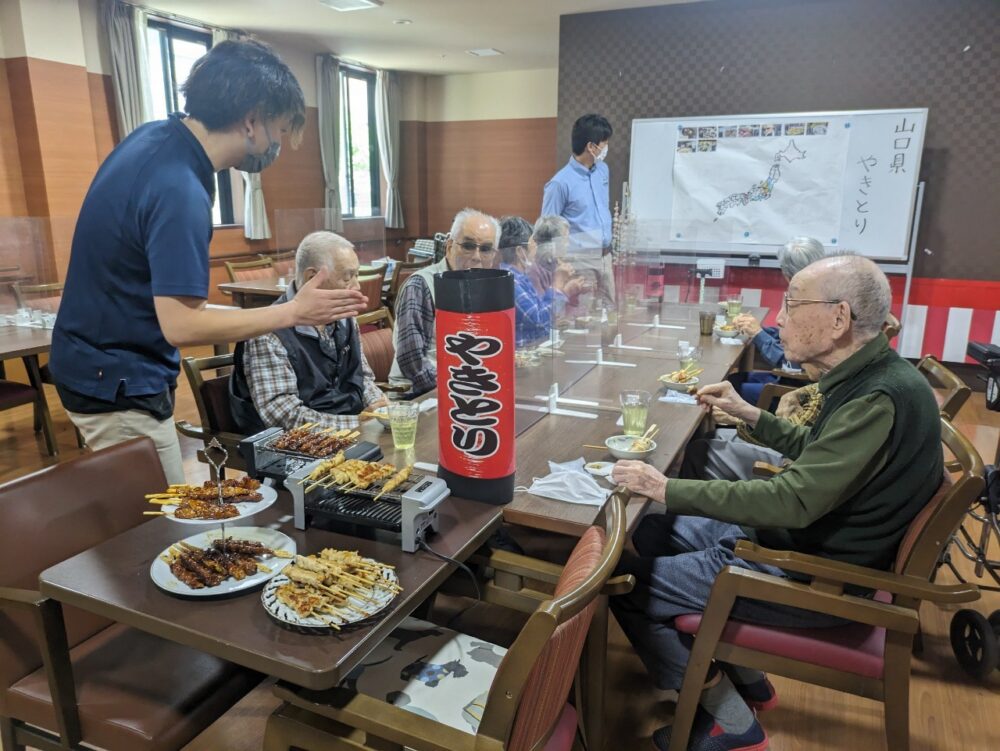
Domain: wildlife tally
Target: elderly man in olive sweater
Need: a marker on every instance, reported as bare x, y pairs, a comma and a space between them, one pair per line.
859, 475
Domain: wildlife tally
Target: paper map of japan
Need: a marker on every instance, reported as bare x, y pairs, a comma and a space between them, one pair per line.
758, 188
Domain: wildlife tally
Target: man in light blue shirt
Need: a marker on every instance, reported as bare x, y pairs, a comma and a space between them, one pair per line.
579, 192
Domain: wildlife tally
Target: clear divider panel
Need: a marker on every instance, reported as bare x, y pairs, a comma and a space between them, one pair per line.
30, 282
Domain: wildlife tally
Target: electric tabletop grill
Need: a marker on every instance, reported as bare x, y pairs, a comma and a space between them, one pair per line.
263, 459
410, 510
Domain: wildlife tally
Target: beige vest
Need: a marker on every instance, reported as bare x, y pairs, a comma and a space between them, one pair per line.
396, 377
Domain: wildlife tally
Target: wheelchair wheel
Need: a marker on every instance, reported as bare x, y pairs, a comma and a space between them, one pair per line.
974, 643
994, 620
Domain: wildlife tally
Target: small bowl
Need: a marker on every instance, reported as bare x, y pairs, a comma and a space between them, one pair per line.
681, 386
382, 415
619, 445
599, 469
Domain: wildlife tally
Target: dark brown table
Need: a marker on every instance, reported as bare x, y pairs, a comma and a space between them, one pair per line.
256, 293
113, 580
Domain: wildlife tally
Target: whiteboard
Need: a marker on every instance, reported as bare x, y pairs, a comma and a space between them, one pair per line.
745, 184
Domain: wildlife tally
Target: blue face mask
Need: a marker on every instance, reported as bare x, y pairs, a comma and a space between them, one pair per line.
258, 162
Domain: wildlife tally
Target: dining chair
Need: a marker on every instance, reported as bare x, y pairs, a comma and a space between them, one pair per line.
377, 346
870, 656
211, 397
371, 287
245, 271
429, 688
950, 391
69, 677
401, 272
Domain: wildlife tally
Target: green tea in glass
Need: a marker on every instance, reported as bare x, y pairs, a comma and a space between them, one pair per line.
635, 408
734, 306
403, 423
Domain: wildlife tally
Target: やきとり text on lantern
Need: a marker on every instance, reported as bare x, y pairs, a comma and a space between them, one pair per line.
475, 359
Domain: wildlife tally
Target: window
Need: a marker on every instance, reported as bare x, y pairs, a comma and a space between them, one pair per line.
359, 166
172, 52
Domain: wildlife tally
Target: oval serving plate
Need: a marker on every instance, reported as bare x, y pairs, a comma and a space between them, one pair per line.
164, 578
288, 618
247, 508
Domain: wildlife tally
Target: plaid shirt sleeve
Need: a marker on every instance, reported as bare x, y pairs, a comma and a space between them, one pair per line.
275, 391
415, 327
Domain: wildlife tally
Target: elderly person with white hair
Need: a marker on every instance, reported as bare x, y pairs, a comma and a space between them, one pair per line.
472, 244
794, 256
306, 374
859, 475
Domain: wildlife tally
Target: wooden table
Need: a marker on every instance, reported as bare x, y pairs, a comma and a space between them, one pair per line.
112, 580
256, 293
27, 343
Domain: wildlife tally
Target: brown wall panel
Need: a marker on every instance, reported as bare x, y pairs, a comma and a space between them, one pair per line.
102, 105
731, 57
498, 166
11, 181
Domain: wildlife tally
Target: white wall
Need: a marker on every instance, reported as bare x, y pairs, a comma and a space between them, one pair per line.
51, 30
95, 51
492, 96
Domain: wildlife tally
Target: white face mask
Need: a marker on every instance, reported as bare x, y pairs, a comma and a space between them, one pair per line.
601, 154
569, 482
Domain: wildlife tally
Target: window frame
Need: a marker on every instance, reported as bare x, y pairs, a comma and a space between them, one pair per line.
369, 77
174, 31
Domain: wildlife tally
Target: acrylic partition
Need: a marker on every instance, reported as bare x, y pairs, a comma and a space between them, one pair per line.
30, 287
292, 225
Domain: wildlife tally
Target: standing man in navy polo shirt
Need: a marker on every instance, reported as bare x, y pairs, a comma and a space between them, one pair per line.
579, 193
138, 278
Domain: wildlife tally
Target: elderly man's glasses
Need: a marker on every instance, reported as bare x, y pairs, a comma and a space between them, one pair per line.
804, 301
468, 247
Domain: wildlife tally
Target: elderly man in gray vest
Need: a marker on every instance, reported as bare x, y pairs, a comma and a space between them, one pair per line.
859, 475
472, 244
306, 374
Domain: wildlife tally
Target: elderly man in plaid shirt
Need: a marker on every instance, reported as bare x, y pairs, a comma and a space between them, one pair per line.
308, 373
472, 244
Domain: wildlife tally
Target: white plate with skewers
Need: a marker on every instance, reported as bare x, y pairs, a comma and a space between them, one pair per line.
269, 549
268, 496
329, 601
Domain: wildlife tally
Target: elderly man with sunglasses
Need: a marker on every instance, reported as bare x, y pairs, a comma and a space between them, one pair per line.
472, 244
860, 474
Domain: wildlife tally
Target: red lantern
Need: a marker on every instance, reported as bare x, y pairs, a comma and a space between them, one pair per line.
475, 360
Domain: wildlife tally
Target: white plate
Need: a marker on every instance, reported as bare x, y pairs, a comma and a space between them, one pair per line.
164, 578
599, 469
284, 614
678, 386
268, 496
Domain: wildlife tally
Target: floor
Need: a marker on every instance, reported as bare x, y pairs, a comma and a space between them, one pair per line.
949, 710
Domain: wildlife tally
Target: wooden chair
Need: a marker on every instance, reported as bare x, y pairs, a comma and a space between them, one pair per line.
869, 657
245, 271
521, 703
68, 677
378, 347
400, 274
371, 287
14, 394
949, 390
38, 296
212, 399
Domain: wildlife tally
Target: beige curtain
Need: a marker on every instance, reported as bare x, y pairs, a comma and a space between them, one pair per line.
124, 29
328, 100
387, 105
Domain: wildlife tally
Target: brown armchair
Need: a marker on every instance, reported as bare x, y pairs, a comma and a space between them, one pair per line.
400, 274
378, 348
869, 657
245, 271
68, 677
211, 396
523, 706
950, 391
371, 287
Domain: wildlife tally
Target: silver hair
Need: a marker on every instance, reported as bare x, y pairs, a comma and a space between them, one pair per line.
465, 215
798, 253
316, 252
549, 228
860, 283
